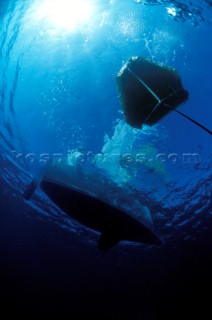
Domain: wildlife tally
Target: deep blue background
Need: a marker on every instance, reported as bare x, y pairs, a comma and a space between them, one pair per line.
57, 93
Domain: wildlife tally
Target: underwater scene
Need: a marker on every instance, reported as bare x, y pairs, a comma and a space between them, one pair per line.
106, 148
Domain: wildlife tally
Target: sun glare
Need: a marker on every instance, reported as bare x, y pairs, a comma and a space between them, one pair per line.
65, 14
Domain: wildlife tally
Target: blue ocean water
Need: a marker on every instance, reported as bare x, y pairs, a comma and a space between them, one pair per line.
59, 100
